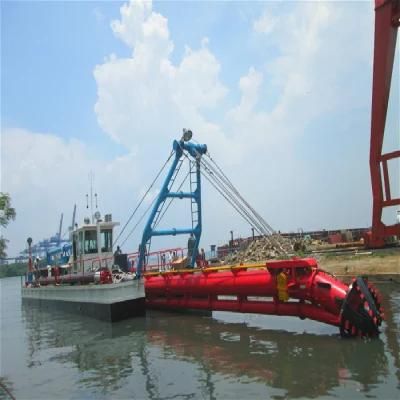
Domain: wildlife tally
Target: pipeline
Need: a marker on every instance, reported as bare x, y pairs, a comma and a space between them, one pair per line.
103, 276
296, 287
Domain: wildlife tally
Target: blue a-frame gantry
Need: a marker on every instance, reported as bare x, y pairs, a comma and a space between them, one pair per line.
195, 151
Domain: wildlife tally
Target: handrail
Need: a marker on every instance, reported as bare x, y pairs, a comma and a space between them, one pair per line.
234, 267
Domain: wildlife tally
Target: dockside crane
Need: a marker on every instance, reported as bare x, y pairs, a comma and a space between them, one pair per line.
387, 21
73, 219
59, 229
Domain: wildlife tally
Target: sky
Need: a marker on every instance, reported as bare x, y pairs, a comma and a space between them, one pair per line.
279, 91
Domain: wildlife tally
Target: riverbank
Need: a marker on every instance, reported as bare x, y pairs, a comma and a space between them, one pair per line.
380, 263
10, 270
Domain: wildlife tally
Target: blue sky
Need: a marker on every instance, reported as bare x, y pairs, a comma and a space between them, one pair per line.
280, 92
49, 50
48, 54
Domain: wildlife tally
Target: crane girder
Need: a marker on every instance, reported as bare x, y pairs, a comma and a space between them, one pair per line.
387, 14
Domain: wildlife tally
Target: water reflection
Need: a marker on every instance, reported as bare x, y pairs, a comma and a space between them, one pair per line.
303, 365
392, 329
6, 388
109, 357
102, 348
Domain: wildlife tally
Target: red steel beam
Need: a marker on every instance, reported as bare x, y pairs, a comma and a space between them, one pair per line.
386, 25
386, 180
391, 155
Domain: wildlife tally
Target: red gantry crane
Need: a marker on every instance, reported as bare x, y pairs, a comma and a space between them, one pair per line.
387, 21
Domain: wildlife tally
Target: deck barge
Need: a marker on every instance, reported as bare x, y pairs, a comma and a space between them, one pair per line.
112, 302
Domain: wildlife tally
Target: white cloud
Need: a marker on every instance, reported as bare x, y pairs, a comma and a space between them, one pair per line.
197, 85
142, 29
265, 23
249, 86
319, 74
319, 69
146, 98
46, 175
310, 78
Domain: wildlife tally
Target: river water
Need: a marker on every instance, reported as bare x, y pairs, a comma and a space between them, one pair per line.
49, 355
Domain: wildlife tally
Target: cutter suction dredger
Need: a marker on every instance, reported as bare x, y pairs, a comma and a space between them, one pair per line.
284, 286
294, 287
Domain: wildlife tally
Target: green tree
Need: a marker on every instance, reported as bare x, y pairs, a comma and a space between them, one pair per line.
7, 213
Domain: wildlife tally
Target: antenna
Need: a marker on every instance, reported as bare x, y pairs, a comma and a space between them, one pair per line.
91, 195
72, 227
91, 178
73, 218
60, 228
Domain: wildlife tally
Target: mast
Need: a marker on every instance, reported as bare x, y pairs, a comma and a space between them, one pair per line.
60, 228
91, 178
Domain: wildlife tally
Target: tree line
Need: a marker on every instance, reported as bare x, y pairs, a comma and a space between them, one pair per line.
15, 269
7, 214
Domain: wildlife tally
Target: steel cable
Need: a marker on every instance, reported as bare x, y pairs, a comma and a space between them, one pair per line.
170, 201
140, 220
230, 184
242, 211
142, 199
256, 220
267, 228
148, 209
231, 198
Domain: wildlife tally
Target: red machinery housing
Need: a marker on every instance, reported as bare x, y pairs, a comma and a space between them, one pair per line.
387, 21
295, 287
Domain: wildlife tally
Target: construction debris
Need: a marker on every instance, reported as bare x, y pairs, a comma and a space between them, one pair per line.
260, 250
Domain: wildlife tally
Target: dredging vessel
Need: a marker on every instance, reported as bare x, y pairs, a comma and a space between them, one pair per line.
80, 277
289, 286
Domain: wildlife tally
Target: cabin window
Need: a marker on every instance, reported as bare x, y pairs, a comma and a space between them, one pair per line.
81, 242
301, 272
106, 240
90, 242
74, 249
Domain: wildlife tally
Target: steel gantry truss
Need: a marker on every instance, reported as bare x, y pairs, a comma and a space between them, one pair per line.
195, 151
387, 21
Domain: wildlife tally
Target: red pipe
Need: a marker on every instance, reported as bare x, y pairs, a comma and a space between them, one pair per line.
312, 293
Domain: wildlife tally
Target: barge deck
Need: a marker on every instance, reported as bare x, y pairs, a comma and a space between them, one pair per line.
111, 302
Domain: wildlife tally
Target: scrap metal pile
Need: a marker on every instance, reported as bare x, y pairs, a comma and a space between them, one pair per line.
261, 249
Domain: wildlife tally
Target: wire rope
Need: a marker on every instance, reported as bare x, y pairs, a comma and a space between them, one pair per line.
142, 199
171, 200
148, 209
140, 220
240, 203
268, 229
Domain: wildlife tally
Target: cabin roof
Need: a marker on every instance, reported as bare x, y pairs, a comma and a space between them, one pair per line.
103, 225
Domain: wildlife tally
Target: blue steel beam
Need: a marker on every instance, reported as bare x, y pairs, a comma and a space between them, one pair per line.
181, 195
172, 232
196, 151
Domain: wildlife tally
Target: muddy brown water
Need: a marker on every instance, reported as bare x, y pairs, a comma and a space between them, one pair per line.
49, 355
